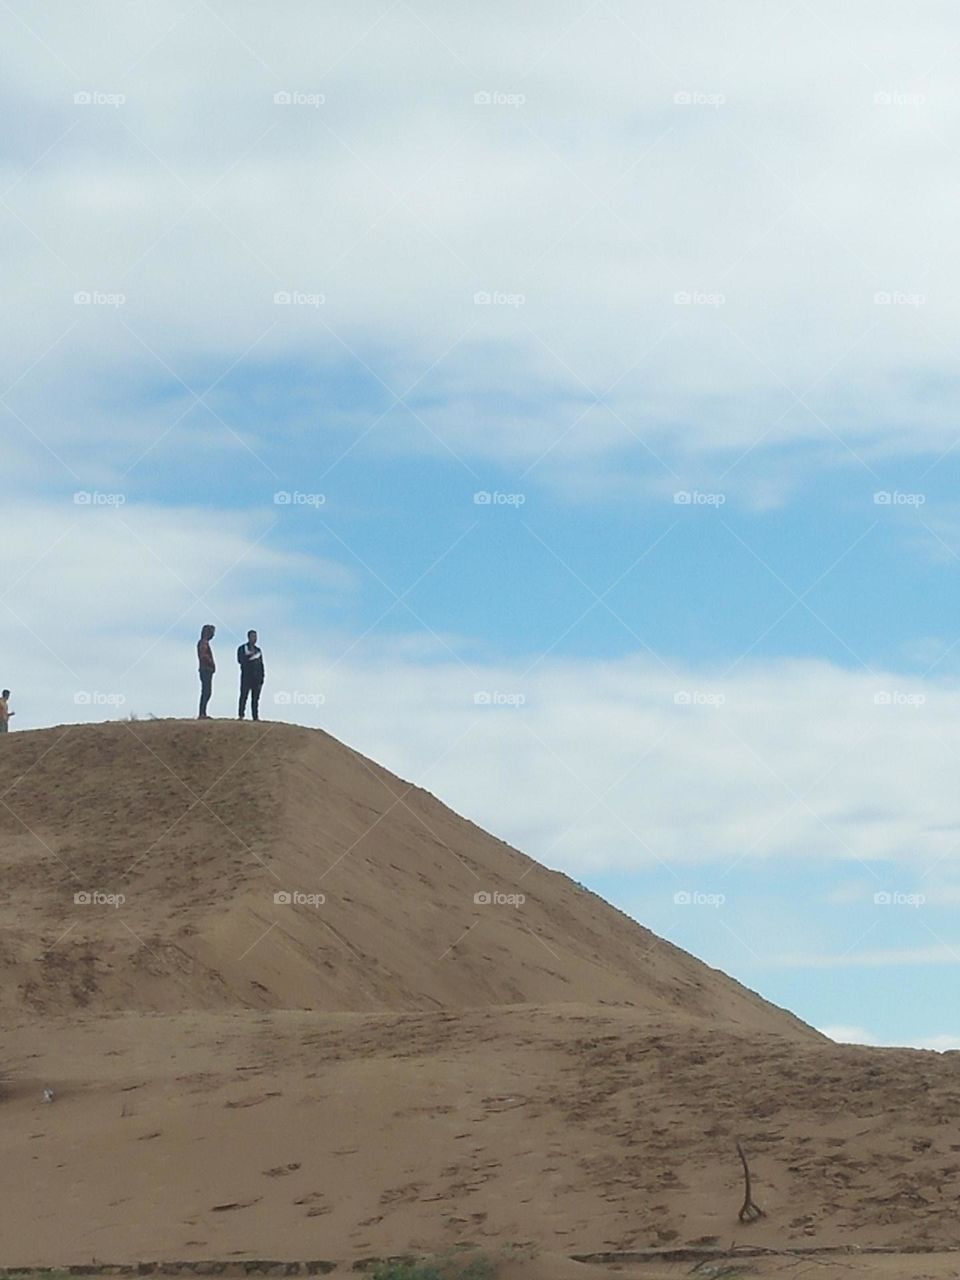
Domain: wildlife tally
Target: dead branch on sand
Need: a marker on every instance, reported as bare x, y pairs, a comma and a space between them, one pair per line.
750, 1210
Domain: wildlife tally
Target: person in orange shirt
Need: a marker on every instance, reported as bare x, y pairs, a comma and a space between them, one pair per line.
5, 712
207, 667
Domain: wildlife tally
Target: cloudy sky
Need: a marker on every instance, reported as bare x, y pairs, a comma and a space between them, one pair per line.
565, 392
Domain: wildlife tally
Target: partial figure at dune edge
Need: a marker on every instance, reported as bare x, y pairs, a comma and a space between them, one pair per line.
207, 667
5, 712
250, 658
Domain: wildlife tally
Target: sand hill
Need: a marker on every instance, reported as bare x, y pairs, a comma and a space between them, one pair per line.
199, 827
399, 1068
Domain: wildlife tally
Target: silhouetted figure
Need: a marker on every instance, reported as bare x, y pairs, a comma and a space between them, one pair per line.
250, 657
207, 667
5, 712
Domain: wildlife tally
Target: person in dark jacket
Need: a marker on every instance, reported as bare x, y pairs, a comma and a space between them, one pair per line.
250, 658
207, 667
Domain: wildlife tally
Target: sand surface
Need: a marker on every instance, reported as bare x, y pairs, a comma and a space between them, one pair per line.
400, 1069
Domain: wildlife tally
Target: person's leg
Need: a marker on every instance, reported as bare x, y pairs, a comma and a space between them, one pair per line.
206, 689
244, 691
255, 699
4, 726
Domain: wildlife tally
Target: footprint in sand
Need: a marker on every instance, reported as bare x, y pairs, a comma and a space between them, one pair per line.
235, 1204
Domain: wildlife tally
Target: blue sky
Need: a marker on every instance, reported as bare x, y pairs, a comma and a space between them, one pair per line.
671, 287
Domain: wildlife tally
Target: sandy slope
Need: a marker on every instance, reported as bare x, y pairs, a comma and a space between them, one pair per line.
300, 1135
399, 1069
199, 825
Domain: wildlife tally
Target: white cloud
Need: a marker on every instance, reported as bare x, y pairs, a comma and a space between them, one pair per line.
849, 1035
941, 1043
598, 199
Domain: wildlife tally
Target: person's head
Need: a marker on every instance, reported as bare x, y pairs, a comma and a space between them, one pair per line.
208, 631
5, 693
251, 637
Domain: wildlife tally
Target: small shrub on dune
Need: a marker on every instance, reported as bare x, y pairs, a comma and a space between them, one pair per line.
479, 1267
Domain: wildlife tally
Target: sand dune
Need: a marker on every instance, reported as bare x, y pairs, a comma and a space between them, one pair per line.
199, 826
399, 1069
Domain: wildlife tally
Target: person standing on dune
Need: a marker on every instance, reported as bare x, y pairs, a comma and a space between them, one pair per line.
250, 657
207, 667
5, 712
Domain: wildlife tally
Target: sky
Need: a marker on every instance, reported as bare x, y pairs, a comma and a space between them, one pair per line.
566, 393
